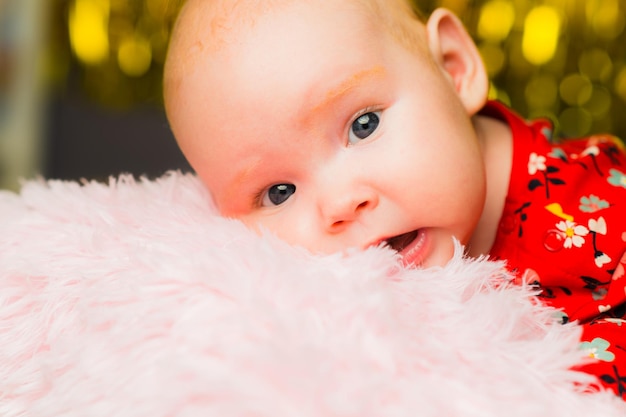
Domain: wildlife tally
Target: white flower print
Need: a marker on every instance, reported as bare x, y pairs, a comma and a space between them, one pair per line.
601, 259
598, 226
574, 233
536, 163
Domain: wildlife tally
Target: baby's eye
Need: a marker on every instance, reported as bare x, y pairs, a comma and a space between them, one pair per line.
363, 127
278, 194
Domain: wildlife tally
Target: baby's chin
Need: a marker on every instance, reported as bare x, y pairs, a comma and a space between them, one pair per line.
438, 260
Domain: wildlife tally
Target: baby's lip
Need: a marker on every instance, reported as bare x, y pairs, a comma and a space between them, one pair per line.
398, 242
411, 246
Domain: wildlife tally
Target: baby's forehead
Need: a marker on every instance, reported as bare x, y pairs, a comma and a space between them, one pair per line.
211, 25
207, 27
222, 17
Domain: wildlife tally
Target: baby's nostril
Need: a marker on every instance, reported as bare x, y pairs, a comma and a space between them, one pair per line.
338, 223
362, 205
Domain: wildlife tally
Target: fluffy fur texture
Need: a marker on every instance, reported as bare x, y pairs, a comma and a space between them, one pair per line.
136, 299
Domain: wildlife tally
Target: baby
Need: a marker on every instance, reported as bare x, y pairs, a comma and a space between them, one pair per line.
354, 123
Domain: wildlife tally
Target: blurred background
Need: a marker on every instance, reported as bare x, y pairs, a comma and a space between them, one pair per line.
80, 80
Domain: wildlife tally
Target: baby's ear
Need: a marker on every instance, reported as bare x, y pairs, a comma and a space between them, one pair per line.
455, 52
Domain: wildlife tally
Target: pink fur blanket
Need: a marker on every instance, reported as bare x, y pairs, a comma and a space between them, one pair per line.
136, 299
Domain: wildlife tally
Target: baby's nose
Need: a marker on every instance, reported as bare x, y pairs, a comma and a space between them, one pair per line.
341, 211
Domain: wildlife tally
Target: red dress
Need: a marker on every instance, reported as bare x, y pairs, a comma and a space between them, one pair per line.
563, 229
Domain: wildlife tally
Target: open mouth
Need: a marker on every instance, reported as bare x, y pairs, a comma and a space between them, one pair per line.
400, 242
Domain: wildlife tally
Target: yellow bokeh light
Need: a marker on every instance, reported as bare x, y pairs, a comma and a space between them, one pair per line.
541, 91
157, 8
596, 64
605, 17
542, 28
496, 20
493, 57
88, 30
497, 94
134, 56
620, 84
576, 89
599, 103
457, 6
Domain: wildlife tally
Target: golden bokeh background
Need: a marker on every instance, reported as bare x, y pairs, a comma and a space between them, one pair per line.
559, 58
119, 45
563, 59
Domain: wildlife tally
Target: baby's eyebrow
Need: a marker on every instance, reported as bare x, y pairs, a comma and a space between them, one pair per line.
242, 178
348, 84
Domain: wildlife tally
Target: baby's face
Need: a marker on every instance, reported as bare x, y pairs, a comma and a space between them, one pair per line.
321, 127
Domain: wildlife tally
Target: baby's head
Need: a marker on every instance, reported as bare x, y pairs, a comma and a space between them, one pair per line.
333, 124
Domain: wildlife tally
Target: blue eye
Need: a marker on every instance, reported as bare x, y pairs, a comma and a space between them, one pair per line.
364, 126
278, 194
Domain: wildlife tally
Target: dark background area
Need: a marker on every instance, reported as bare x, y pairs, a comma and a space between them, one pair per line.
89, 141
101, 121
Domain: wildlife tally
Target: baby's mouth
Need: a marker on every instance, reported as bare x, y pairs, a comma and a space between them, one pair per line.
400, 242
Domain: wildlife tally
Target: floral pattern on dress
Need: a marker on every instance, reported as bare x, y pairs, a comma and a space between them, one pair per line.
617, 178
537, 164
592, 203
598, 349
574, 233
563, 230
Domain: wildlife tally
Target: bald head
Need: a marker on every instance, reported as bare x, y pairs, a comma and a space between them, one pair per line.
207, 27
292, 111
